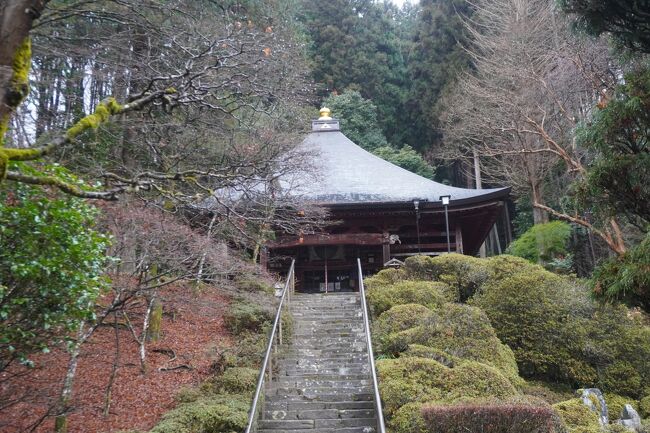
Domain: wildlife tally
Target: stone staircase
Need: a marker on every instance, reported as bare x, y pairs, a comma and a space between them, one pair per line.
324, 383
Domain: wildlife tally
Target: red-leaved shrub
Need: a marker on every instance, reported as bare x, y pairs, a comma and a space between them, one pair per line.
493, 418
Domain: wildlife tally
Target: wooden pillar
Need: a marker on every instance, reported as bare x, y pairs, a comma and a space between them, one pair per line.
459, 240
385, 248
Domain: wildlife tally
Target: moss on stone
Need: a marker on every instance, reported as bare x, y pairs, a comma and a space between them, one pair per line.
577, 417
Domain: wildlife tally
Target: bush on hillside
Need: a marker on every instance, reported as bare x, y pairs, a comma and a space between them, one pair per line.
245, 316
409, 379
559, 334
236, 380
616, 403
543, 243
644, 407
504, 266
408, 419
578, 417
430, 294
457, 330
227, 413
627, 277
465, 274
495, 418
398, 318
541, 317
420, 351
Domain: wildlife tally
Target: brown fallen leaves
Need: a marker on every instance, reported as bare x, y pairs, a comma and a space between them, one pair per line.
192, 328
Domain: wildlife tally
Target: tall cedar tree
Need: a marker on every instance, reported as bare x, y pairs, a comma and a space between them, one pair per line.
355, 46
437, 57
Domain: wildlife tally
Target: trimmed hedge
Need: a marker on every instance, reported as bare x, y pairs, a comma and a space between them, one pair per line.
456, 331
496, 418
409, 379
383, 297
464, 274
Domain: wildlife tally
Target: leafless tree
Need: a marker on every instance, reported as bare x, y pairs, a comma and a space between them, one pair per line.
532, 83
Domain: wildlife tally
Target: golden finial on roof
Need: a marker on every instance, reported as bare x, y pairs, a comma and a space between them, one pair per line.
325, 114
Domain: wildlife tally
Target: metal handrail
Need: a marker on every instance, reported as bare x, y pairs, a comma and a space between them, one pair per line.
277, 325
381, 428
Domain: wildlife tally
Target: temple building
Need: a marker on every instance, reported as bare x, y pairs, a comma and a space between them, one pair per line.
381, 213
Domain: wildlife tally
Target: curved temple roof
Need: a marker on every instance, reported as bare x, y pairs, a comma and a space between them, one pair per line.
348, 174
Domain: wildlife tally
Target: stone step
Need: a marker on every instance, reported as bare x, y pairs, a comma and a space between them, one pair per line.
286, 381
318, 414
316, 365
324, 371
311, 392
296, 424
316, 376
340, 358
314, 405
292, 351
321, 430
319, 398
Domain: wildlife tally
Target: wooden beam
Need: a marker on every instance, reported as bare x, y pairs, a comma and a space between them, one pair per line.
325, 239
406, 247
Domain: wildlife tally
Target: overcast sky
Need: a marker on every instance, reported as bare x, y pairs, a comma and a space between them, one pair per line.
401, 2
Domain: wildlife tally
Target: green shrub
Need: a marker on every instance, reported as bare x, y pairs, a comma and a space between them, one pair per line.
408, 419
541, 316
188, 395
644, 407
473, 380
385, 277
430, 294
461, 332
542, 242
419, 351
409, 379
255, 285
620, 346
236, 380
578, 417
465, 274
398, 318
52, 258
626, 277
615, 404
223, 414
551, 393
504, 266
244, 316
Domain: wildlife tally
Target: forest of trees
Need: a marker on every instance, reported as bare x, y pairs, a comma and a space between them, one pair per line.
120, 119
